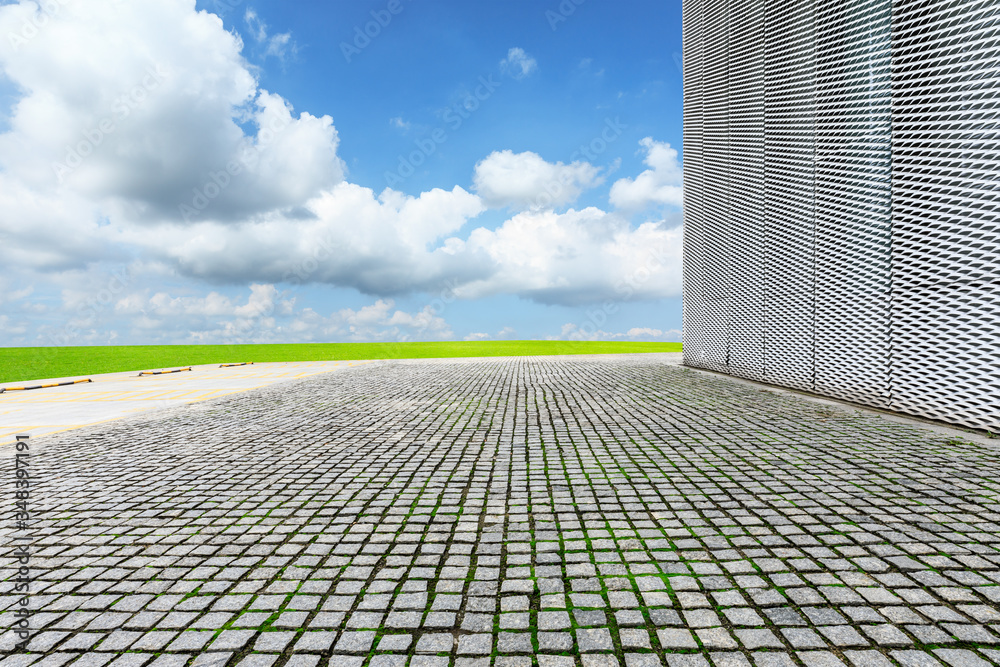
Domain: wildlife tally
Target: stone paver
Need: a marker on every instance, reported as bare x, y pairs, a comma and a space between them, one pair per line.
508, 512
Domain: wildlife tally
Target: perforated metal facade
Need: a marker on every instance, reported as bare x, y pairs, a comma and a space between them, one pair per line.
842, 227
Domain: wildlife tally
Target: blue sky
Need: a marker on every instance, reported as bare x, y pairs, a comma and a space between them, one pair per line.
405, 170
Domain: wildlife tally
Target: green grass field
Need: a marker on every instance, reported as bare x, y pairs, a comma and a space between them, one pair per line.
32, 363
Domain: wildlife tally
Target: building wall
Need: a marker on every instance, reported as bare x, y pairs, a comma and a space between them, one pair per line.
842, 226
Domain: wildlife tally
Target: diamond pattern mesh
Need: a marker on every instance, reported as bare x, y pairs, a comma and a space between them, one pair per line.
842, 236
694, 170
853, 132
746, 191
789, 193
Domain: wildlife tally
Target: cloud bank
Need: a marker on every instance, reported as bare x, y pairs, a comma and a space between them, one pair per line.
176, 163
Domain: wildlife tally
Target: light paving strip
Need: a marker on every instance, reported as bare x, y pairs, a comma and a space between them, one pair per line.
116, 395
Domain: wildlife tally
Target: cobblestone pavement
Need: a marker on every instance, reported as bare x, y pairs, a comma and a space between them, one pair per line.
509, 512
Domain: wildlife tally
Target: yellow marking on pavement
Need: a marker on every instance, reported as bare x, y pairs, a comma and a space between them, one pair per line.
117, 394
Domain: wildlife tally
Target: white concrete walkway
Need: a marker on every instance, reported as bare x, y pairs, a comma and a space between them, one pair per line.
115, 395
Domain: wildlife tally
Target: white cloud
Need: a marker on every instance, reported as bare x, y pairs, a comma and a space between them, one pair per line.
506, 332
647, 332
10, 294
662, 184
380, 321
279, 45
346, 236
212, 317
588, 331
12, 328
577, 257
142, 135
161, 126
256, 26
518, 64
400, 124
262, 302
526, 181
268, 315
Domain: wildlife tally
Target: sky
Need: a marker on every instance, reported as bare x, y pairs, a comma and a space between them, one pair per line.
225, 171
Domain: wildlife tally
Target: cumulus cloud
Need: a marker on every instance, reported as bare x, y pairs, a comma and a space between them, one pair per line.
159, 315
577, 257
349, 236
267, 314
175, 162
588, 331
381, 321
644, 332
659, 185
50, 233
147, 134
262, 302
526, 181
506, 332
518, 64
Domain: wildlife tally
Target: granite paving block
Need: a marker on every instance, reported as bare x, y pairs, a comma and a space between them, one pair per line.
960, 658
915, 659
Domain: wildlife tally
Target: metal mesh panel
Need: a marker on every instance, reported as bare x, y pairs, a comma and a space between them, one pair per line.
945, 360
694, 222
853, 128
746, 195
842, 163
789, 218
715, 200
946, 228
